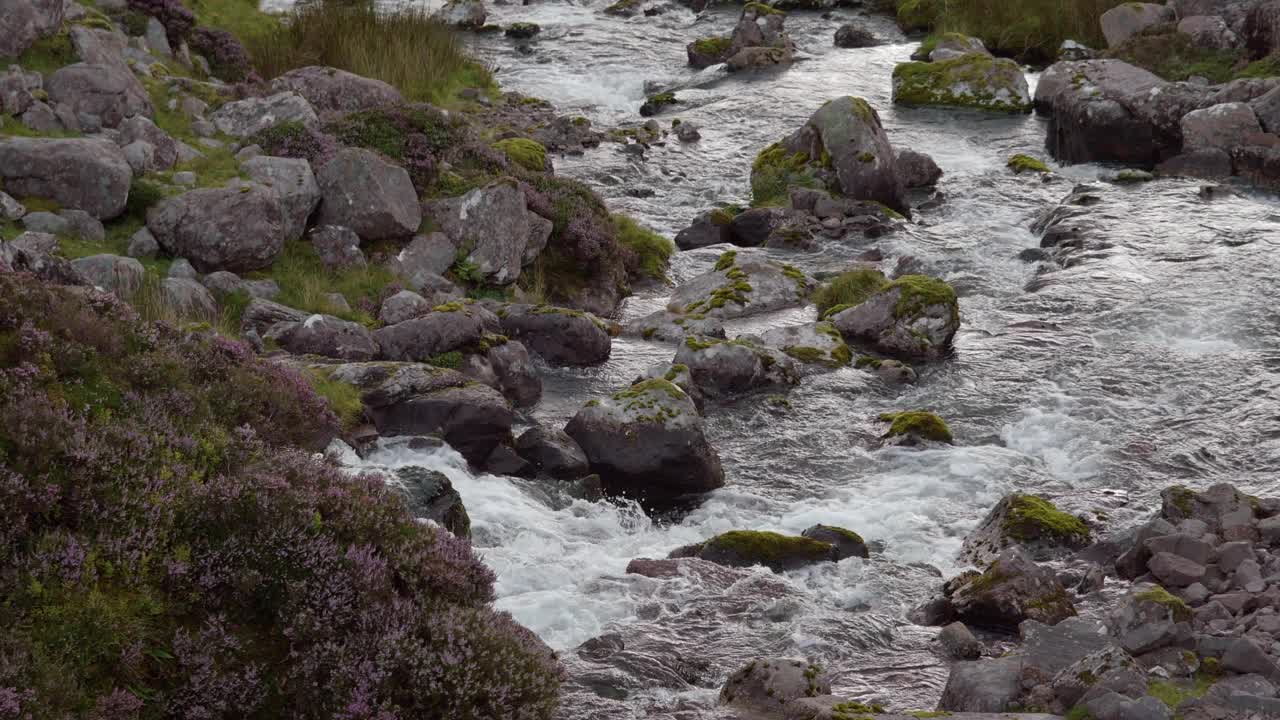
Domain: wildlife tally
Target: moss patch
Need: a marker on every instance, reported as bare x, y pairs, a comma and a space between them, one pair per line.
528, 154
1022, 163
918, 423
767, 548
652, 250
1160, 596
974, 80
921, 291
849, 289
713, 46
775, 171
1031, 518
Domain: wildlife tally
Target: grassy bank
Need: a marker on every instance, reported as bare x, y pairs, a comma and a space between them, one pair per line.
406, 48
1030, 30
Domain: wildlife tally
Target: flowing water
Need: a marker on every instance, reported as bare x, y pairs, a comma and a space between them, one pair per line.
1147, 358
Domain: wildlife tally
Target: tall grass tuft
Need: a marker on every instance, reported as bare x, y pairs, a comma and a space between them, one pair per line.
405, 47
1031, 30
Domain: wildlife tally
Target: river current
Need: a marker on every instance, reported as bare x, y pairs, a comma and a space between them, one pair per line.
1148, 358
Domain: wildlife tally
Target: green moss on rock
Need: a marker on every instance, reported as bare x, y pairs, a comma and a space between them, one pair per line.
917, 423
1181, 612
528, 154
1021, 163
921, 291
713, 46
775, 171
1030, 518
973, 81
771, 549
848, 289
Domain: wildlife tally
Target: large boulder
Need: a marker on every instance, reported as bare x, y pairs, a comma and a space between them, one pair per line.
1012, 589
243, 118
22, 22
1110, 111
740, 288
112, 273
1027, 520
108, 92
850, 35
1224, 127
1128, 19
445, 329
496, 229
558, 335
1208, 31
669, 326
416, 399
708, 228
466, 14
723, 368
844, 138
293, 180
914, 316
647, 443
552, 451
326, 336
237, 227
331, 89
764, 686
85, 174
982, 686
974, 80
369, 195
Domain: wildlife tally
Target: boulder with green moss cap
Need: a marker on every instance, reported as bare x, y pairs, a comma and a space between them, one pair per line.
1030, 521
677, 374
812, 344
847, 543
741, 287
708, 51
842, 147
1228, 513
914, 427
912, 317
759, 40
745, 548
947, 46
1148, 619
668, 326
1012, 589
973, 80
558, 335
647, 443
723, 368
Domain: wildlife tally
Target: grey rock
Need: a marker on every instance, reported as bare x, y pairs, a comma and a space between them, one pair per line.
84, 174
558, 335
243, 118
265, 289
41, 118
1186, 546
22, 22
83, 225
950, 46
850, 35
1082, 676
425, 258
495, 223
331, 89
668, 326
715, 294
1148, 619
917, 169
261, 315
959, 642
141, 156
553, 452
1231, 554
468, 14
925, 332
983, 686
223, 283
1267, 109
1207, 163
143, 245
108, 92
1012, 589
1208, 31
708, 228
46, 222
181, 268
764, 686
139, 128
1114, 706
326, 336
404, 305
1123, 22
431, 495
1244, 656
724, 368
647, 443
369, 195
812, 343
1175, 571
186, 178
188, 298
338, 247
10, 209
1222, 126
112, 273
437, 332
238, 227
1010, 523
292, 179
846, 543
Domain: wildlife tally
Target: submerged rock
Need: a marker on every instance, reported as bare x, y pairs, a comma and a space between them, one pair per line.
764, 686
745, 548
845, 543
647, 443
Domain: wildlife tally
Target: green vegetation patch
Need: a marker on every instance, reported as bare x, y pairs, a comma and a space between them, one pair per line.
343, 398
767, 548
1023, 163
775, 171
1181, 612
974, 81
652, 250
305, 281
849, 289
714, 46
921, 291
528, 154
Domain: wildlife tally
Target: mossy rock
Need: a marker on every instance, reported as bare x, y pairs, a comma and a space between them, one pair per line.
915, 426
655, 104
972, 81
745, 548
708, 51
1025, 163
523, 30
1030, 521
847, 543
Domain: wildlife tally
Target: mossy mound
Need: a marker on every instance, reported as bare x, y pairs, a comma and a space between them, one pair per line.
744, 548
655, 104
1025, 163
917, 424
775, 171
1033, 518
1178, 609
848, 289
971, 81
528, 154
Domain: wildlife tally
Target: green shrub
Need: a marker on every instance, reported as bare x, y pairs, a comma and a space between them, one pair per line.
653, 251
404, 47
304, 281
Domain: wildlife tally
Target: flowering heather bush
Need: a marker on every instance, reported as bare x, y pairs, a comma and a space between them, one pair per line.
296, 140
227, 58
172, 553
177, 20
584, 247
414, 136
